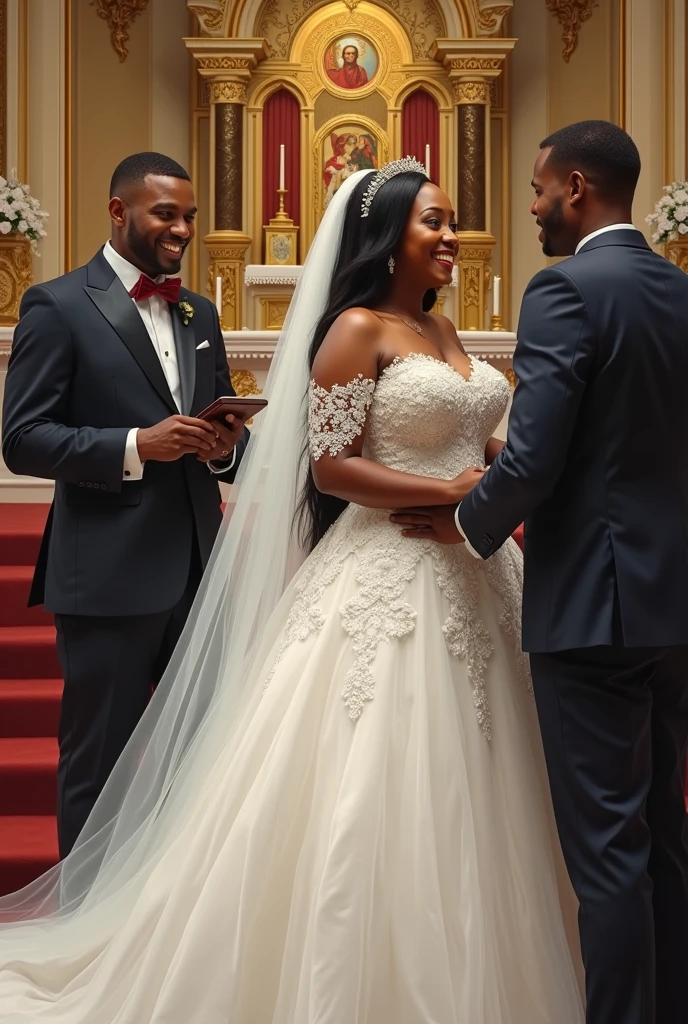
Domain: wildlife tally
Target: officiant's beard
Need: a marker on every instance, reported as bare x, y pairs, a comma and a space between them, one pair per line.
552, 226
147, 255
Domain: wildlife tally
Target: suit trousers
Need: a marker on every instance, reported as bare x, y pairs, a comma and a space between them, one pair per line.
614, 724
109, 666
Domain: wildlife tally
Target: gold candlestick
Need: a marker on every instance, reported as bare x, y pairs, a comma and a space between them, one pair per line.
496, 322
280, 236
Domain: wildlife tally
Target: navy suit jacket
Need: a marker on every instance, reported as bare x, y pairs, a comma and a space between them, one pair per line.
82, 373
596, 461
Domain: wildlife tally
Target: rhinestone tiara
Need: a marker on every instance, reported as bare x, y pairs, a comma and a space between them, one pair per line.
409, 163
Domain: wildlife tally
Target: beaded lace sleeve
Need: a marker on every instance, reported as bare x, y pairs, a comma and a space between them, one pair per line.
337, 417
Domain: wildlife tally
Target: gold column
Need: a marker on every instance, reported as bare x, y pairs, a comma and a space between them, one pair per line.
473, 66
226, 66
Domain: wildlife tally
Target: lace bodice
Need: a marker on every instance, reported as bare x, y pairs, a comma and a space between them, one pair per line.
421, 417
425, 418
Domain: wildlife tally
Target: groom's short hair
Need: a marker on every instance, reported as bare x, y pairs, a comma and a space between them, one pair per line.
603, 152
134, 170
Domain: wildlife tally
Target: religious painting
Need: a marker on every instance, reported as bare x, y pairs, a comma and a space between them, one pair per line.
351, 62
349, 149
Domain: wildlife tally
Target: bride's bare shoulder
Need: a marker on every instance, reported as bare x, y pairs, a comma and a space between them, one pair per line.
350, 346
358, 319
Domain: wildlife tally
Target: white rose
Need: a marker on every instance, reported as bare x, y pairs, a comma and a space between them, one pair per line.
681, 213
3, 181
23, 227
12, 214
683, 229
5, 227
18, 194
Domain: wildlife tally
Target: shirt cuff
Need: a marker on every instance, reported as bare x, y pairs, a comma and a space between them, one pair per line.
469, 546
133, 467
222, 467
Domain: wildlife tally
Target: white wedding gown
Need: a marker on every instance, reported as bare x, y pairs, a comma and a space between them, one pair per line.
376, 844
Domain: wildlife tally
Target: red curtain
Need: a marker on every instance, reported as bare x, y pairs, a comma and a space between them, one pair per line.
281, 124
420, 125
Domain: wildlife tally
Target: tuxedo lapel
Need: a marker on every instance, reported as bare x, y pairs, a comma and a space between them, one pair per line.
185, 343
109, 295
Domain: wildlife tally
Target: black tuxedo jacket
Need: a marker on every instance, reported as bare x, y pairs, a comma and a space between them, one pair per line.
82, 373
596, 461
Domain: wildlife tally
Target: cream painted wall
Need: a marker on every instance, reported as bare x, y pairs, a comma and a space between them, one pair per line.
529, 125
124, 107
47, 49
645, 113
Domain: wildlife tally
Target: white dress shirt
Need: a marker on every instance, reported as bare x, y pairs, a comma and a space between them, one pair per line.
155, 313
583, 241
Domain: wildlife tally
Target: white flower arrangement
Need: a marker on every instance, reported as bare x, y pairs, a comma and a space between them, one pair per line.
670, 219
20, 212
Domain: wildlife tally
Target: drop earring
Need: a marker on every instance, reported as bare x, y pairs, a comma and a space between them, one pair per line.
391, 264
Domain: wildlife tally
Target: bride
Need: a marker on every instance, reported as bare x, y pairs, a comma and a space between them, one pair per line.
335, 810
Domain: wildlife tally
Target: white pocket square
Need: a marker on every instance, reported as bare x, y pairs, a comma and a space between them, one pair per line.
204, 344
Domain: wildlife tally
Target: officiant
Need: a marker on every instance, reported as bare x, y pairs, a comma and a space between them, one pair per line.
110, 365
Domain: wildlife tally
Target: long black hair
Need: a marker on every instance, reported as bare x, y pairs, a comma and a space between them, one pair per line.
361, 278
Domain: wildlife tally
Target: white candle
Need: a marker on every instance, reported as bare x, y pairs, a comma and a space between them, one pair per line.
427, 159
496, 296
218, 295
281, 174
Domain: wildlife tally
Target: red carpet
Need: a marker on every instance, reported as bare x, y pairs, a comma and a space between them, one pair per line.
30, 688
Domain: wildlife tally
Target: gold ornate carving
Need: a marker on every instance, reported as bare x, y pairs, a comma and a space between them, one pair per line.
421, 19
227, 252
15, 276
274, 313
119, 14
245, 383
476, 63
229, 131
475, 274
511, 377
490, 15
571, 14
228, 92
209, 18
472, 92
471, 285
677, 252
224, 63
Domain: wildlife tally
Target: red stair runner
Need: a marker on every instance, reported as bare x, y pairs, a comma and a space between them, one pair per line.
30, 689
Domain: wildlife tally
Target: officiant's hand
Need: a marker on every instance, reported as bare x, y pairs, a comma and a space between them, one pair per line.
227, 433
176, 436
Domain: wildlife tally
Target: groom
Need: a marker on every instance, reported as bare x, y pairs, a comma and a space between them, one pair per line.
109, 368
596, 464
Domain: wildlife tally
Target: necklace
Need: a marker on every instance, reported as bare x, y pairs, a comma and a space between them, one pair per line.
409, 323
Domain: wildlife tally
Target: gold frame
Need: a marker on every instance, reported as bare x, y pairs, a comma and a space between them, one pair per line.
365, 90
372, 127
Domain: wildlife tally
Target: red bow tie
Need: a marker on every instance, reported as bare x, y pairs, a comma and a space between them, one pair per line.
167, 289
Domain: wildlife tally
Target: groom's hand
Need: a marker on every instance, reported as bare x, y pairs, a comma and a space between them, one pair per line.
436, 522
